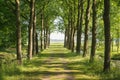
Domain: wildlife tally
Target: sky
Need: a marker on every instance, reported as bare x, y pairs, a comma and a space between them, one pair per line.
57, 36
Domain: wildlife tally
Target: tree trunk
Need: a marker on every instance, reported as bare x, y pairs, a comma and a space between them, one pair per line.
73, 40
118, 42
79, 26
106, 18
41, 34
94, 25
78, 30
112, 43
65, 38
48, 37
37, 50
30, 41
73, 27
45, 37
69, 32
18, 45
34, 33
86, 28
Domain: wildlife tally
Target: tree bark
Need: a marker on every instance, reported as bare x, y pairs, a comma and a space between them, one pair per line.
94, 25
106, 18
65, 38
41, 34
34, 33
37, 49
18, 27
73, 27
47, 36
118, 42
71, 30
68, 32
78, 30
30, 41
68, 35
86, 29
44, 37
79, 26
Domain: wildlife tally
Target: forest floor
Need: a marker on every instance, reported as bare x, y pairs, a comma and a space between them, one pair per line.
58, 63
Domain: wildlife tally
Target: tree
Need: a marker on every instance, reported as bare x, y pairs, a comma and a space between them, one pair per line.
70, 28
94, 25
18, 45
106, 18
79, 26
35, 43
7, 24
30, 41
86, 28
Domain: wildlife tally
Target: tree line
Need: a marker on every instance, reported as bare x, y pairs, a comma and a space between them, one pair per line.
87, 18
31, 22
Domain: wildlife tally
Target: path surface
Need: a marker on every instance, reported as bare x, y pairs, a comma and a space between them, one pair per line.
55, 63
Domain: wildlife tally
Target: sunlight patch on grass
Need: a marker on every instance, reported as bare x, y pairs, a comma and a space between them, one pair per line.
86, 77
58, 63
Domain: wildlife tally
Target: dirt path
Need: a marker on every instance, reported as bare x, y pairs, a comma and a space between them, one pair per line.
55, 63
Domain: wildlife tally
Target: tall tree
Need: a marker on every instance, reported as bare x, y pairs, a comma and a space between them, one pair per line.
79, 25
34, 34
41, 33
30, 41
86, 28
106, 18
18, 27
71, 26
94, 25
37, 50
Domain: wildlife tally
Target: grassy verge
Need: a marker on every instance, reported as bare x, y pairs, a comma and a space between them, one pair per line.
58, 63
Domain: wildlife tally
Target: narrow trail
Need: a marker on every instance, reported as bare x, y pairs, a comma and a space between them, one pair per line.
55, 63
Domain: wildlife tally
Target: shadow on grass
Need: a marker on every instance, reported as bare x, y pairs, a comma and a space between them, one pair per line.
59, 61
57, 55
36, 73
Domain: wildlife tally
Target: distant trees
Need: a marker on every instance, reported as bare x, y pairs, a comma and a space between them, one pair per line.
71, 25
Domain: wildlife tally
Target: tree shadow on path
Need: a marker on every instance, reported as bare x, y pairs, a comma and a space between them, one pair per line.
55, 63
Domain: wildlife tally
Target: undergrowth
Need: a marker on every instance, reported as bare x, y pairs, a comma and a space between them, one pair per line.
46, 62
8, 70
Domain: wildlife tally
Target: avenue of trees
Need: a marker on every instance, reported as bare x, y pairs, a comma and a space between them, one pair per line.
89, 23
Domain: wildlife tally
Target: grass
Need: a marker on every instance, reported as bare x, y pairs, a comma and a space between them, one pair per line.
58, 63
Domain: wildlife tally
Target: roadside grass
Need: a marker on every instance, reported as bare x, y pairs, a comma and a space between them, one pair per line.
58, 63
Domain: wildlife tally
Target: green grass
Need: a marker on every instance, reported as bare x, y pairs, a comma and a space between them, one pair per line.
58, 63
